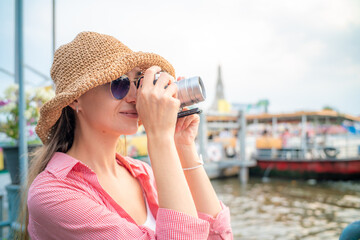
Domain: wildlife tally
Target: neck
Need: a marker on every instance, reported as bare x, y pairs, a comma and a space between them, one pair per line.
97, 149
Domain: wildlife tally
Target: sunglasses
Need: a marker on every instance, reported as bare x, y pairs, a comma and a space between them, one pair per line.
121, 86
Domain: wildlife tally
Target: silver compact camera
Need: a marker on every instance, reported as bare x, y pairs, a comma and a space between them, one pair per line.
190, 91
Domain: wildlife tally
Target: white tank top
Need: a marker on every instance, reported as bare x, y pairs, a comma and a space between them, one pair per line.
150, 220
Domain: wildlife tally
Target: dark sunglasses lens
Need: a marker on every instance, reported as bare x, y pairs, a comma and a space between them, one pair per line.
120, 87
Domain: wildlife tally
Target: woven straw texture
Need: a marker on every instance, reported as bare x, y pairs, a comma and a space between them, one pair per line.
90, 60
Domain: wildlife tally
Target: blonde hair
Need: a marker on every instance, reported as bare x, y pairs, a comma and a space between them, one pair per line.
62, 139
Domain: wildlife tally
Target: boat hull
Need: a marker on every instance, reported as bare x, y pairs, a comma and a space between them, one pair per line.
341, 169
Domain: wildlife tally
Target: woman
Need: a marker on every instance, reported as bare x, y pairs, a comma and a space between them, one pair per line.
81, 188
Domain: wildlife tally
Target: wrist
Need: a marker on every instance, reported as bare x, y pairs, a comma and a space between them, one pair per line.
160, 138
185, 151
186, 147
188, 155
160, 143
162, 148
199, 164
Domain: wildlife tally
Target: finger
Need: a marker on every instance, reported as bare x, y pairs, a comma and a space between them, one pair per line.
190, 119
172, 79
180, 78
164, 80
181, 121
179, 124
149, 76
171, 90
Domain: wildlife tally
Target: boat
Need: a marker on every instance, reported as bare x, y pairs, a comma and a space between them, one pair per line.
320, 152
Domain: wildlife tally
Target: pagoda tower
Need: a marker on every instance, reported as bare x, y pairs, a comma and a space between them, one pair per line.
219, 91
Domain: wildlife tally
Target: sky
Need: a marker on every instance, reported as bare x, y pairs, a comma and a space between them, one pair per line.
300, 54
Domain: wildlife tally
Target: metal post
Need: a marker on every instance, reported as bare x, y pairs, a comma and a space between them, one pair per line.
256, 123
53, 27
327, 121
1, 215
23, 152
316, 147
303, 136
274, 135
347, 144
203, 136
274, 127
244, 171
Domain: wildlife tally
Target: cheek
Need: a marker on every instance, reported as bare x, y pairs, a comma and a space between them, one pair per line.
99, 108
100, 112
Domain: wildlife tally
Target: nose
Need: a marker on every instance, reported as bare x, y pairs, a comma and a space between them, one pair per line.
131, 96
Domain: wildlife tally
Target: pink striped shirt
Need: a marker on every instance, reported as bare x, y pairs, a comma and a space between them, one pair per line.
66, 201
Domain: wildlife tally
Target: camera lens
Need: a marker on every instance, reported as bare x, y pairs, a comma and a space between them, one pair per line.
190, 90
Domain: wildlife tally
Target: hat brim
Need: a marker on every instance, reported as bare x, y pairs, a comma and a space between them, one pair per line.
51, 111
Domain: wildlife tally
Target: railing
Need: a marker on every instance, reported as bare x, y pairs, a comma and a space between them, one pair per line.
3, 223
329, 153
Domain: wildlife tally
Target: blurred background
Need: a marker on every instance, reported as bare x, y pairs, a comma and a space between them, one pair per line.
300, 55
280, 131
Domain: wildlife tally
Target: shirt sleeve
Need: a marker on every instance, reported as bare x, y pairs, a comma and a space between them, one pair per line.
65, 212
220, 226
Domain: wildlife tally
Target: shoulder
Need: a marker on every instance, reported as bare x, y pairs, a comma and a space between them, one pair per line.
44, 181
42, 191
47, 191
44, 185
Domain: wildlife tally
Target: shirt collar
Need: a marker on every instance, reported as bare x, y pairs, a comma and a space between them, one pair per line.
61, 164
135, 167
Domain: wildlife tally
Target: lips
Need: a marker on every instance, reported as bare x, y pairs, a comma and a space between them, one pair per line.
130, 113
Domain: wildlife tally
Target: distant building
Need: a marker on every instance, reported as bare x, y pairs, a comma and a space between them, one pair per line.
220, 104
255, 108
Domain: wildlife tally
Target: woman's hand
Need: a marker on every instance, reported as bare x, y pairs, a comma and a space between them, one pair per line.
186, 128
157, 107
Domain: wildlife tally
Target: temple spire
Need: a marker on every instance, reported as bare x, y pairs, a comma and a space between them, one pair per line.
219, 91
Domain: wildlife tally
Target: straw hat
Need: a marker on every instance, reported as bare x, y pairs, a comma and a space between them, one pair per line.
90, 60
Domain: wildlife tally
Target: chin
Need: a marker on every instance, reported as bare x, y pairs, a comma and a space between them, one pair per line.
130, 130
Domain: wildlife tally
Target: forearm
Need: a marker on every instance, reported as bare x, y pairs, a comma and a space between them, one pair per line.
203, 193
173, 190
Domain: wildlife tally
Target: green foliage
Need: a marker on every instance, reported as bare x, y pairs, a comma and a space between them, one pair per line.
9, 110
327, 107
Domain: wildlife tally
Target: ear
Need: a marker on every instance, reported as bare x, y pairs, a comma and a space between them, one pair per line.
74, 104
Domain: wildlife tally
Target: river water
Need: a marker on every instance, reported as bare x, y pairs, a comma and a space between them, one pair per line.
286, 210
